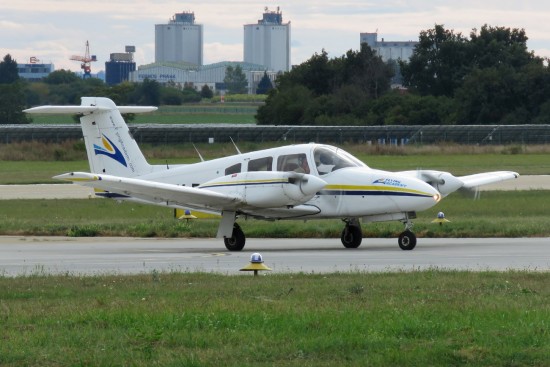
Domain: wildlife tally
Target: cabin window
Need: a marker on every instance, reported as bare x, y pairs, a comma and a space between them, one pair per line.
260, 164
236, 168
293, 163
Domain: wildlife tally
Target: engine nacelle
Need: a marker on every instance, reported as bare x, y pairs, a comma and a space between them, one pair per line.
444, 182
267, 189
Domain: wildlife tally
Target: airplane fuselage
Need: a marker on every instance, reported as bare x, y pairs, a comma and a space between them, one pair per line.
352, 188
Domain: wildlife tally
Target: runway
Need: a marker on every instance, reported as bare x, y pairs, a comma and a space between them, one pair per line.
99, 256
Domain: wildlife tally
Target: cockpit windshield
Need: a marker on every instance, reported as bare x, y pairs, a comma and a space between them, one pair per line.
329, 159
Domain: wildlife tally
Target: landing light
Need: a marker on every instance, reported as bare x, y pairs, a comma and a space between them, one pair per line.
437, 197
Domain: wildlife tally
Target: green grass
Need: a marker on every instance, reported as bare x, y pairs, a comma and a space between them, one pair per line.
496, 214
430, 318
34, 162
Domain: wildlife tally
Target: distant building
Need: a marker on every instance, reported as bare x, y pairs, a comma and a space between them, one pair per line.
187, 74
34, 71
181, 40
119, 66
267, 43
389, 50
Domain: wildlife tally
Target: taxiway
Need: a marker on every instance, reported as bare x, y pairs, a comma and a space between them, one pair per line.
98, 256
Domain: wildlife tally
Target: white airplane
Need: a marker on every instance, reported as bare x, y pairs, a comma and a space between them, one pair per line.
304, 181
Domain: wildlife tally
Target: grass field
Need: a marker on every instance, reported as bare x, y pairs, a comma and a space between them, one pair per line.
430, 318
496, 214
32, 162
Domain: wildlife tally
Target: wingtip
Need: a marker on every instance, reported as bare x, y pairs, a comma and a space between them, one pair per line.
76, 177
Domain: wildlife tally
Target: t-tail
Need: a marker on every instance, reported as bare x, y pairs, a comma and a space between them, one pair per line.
110, 145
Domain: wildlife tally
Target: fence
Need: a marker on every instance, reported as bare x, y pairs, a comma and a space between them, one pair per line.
172, 134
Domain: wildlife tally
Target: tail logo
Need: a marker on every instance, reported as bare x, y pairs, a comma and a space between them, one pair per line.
110, 150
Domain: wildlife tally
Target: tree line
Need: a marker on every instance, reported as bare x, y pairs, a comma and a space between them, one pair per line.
489, 77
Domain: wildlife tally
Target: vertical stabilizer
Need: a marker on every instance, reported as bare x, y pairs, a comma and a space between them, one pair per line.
110, 146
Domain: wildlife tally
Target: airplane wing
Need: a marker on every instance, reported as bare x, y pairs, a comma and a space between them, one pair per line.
480, 179
446, 183
268, 195
155, 192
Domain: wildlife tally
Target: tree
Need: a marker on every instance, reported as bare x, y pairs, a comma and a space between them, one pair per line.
235, 80
171, 96
12, 104
265, 85
316, 74
148, 93
286, 108
8, 70
439, 63
206, 92
190, 95
364, 69
328, 91
61, 76
494, 46
12, 95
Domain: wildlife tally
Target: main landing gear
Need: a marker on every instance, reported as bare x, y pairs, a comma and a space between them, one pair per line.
237, 240
352, 235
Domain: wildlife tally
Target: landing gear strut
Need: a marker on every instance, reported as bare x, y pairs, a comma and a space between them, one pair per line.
352, 234
407, 239
237, 240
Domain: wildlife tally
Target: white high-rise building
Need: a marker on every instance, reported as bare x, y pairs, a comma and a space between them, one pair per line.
268, 42
389, 50
179, 40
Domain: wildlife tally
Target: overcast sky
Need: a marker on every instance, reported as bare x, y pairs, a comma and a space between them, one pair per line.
53, 30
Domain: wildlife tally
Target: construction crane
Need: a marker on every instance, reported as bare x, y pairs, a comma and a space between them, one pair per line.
85, 61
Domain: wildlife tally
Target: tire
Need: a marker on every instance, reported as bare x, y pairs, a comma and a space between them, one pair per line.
407, 240
237, 240
351, 236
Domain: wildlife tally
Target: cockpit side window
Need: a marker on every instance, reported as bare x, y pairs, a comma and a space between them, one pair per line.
293, 163
329, 160
260, 164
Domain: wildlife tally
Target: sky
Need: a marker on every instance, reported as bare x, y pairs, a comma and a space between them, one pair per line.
54, 30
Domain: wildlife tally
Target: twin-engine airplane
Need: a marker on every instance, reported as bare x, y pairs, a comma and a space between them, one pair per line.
304, 181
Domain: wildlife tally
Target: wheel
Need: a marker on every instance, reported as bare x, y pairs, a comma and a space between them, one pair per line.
237, 240
407, 240
352, 236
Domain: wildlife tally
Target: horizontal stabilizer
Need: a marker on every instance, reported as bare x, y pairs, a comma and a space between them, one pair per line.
87, 109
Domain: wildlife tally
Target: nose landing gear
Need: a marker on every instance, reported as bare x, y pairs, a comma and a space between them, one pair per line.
407, 239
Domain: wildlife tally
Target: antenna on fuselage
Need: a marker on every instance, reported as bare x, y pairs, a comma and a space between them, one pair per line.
235, 145
199, 153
